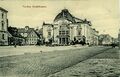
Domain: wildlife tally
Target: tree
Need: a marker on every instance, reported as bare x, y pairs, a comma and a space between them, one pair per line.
14, 32
17, 38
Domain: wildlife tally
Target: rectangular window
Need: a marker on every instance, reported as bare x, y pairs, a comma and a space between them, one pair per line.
7, 22
49, 33
79, 33
60, 32
2, 25
2, 15
3, 37
63, 32
67, 32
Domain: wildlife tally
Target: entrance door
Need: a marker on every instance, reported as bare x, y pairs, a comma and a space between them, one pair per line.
63, 41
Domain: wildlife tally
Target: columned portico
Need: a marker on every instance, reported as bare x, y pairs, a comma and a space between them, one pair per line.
64, 33
63, 41
65, 28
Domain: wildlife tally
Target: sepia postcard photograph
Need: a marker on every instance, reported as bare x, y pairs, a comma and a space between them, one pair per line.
59, 38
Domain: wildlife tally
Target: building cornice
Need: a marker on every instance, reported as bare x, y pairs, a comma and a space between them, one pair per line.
3, 31
3, 9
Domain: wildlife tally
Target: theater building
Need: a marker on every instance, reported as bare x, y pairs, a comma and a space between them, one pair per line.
65, 29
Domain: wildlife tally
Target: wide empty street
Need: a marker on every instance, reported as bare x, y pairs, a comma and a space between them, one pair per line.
76, 62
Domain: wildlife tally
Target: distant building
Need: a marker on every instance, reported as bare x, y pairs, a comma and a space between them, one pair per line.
32, 37
3, 27
94, 37
25, 31
67, 29
90, 33
64, 30
105, 39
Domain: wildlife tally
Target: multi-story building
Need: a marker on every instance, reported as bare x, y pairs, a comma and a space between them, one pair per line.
105, 39
86, 31
94, 37
66, 29
31, 36
3, 27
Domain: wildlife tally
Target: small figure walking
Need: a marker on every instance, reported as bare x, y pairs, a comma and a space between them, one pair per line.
41, 51
15, 45
113, 45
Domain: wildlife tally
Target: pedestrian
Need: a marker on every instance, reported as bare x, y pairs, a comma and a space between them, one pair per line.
113, 45
15, 46
40, 51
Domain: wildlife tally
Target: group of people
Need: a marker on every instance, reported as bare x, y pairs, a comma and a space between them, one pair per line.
113, 45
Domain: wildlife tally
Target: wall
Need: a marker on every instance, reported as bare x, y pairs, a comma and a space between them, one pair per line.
4, 30
45, 32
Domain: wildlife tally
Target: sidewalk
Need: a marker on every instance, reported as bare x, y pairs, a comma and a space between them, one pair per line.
11, 50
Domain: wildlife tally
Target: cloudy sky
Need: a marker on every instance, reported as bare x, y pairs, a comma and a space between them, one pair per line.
104, 14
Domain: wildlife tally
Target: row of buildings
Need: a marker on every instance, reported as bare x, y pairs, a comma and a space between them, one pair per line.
66, 29
30, 35
11, 35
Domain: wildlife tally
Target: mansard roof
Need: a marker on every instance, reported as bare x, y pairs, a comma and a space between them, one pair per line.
78, 20
64, 14
87, 22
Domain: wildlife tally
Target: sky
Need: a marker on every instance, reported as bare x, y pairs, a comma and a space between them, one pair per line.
103, 14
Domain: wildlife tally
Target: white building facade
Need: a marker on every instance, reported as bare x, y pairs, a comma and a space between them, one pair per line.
67, 29
105, 39
3, 27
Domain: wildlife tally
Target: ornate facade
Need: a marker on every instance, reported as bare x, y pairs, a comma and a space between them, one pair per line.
66, 29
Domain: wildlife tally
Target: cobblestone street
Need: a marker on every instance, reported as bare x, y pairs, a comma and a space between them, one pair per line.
11, 50
51, 63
